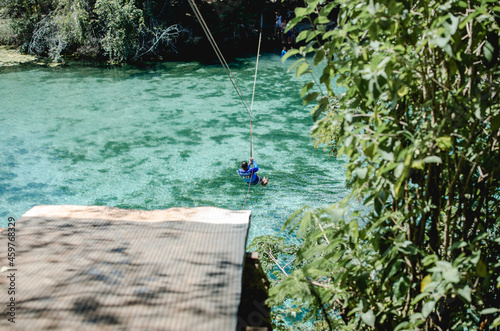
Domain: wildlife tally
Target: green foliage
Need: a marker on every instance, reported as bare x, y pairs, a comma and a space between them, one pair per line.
89, 28
24, 15
419, 125
61, 28
6, 32
121, 22
126, 30
276, 255
271, 249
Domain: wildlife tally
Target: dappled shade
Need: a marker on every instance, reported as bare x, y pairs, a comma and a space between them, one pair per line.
176, 269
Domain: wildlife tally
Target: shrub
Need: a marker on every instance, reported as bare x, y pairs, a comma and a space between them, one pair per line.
419, 126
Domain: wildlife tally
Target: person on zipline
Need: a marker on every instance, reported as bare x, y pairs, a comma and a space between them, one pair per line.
249, 174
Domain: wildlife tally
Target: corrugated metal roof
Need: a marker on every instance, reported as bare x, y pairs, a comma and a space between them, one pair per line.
108, 268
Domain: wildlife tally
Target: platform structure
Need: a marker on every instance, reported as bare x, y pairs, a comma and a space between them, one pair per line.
94, 267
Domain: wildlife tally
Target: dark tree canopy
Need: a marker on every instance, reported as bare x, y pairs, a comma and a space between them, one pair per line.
131, 30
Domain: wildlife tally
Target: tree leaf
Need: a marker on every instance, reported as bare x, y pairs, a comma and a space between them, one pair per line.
379, 201
312, 3
319, 56
488, 311
403, 91
451, 27
306, 88
336, 214
292, 23
302, 35
319, 109
388, 156
488, 51
310, 97
325, 11
399, 170
481, 269
444, 143
407, 248
368, 317
370, 150
451, 275
426, 281
417, 165
301, 60
402, 326
301, 69
289, 54
429, 259
312, 35
432, 159
496, 322
305, 224
321, 20
302, 12
465, 293
428, 308
495, 123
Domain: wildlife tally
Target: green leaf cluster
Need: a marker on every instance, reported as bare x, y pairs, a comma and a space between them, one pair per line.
416, 242
52, 28
121, 22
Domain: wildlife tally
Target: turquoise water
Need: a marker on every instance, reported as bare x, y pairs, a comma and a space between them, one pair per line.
172, 135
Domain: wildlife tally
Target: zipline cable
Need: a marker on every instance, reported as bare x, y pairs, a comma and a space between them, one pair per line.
256, 64
251, 104
219, 55
229, 73
254, 84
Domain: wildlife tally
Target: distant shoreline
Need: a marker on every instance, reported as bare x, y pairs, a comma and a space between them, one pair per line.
10, 56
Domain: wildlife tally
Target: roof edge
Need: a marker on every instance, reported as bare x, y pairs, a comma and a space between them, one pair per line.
212, 215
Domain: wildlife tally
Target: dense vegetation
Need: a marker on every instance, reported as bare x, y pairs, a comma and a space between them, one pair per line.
416, 245
129, 30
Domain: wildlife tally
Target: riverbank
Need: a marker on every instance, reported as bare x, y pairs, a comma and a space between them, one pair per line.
10, 56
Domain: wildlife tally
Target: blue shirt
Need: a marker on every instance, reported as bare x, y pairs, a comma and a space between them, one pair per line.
249, 176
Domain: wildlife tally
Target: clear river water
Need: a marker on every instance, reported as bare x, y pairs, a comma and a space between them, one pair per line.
171, 135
